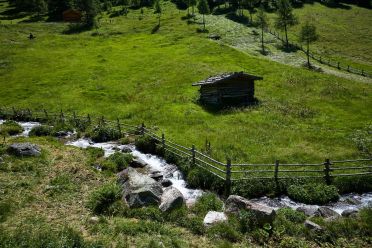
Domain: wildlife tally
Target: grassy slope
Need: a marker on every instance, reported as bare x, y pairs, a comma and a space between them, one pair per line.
344, 33
123, 70
49, 193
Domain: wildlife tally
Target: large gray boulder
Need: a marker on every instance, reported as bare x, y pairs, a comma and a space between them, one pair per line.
172, 198
308, 210
139, 189
25, 149
137, 163
326, 212
349, 213
262, 213
214, 217
312, 226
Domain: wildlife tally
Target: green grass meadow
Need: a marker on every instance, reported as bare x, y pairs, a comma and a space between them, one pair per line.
123, 70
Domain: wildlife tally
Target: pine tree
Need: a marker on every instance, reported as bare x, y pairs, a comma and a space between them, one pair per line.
285, 17
158, 10
193, 4
308, 35
262, 22
203, 8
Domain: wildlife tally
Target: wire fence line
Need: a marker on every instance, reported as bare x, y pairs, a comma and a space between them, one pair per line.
323, 60
226, 171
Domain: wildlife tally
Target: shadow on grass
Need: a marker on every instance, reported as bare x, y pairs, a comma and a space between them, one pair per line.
287, 49
76, 28
223, 11
13, 14
238, 18
202, 30
155, 29
229, 109
34, 18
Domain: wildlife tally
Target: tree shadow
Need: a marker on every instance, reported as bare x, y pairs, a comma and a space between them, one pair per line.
13, 14
155, 29
335, 5
76, 28
223, 11
238, 18
202, 31
34, 18
287, 49
229, 109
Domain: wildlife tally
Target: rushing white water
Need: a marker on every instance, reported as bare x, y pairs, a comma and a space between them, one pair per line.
346, 202
171, 172
155, 163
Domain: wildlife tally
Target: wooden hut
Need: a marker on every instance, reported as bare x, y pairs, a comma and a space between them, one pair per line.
229, 89
72, 15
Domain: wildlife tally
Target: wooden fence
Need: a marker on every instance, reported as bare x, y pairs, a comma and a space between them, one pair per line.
226, 171
324, 60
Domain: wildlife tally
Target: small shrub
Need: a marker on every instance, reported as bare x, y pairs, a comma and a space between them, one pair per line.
104, 134
125, 141
205, 203
41, 131
10, 128
254, 188
291, 215
224, 230
291, 242
313, 193
95, 152
195, 225
357, 184
146, 144
121, 160
260, 236
247, 221
199, 178
102, 198
146, 213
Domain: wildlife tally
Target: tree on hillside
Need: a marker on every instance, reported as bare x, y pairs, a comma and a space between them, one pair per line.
285, 17
251, 8
203, 8
40, 6
91, 10
308, 35
263, 23
158, 10
193, 4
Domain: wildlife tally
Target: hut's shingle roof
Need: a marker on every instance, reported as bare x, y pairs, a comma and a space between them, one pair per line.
222, 77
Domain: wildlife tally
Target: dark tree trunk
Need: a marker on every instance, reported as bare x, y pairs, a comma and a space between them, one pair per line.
204, 22
262, 39
308, 54
286, 36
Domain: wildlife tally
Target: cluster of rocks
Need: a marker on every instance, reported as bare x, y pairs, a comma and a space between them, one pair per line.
141, 190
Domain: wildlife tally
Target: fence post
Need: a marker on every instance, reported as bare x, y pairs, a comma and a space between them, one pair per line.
29, 113
193, 153
118, 125
62, 117
276, 172
89, 120
327, 170
338, 65
102, 120
228, 178
163, 141
14, 112
142, 130
362, 72
46, 115
320, 60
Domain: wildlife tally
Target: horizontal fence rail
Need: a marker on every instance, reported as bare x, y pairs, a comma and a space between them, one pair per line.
228, 172
323, 60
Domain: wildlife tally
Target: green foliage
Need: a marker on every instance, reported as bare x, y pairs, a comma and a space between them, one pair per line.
358, 184
95, 152
6, 208
104, 134
103, 198
205, 203
291, 215
313, 193
10, 128
146, 144
247, 221
146, 213
308, 33
43, 236
200, 178
224, 230
254, 188
62, 183
41, 130
121, 160
285, 17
